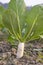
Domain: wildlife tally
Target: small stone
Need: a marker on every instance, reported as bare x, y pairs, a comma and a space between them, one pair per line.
4, 62
27, 63
15, 61
4, 55
8, 54
14, 51
23, 63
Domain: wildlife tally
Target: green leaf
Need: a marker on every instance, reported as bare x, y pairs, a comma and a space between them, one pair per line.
1, 10
10, 22
1, 13
18, 6
35, 21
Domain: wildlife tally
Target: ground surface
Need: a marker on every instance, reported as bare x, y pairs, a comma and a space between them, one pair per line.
31, 56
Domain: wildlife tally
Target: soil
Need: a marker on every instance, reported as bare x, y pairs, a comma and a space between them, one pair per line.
33, 54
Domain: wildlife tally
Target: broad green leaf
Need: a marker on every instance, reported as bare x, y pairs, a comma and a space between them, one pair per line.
10, 22
35, 21
18, 6
1, 13
1, 10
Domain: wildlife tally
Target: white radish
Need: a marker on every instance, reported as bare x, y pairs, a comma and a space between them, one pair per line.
20, 50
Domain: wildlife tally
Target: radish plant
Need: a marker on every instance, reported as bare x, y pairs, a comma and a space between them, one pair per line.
23, 25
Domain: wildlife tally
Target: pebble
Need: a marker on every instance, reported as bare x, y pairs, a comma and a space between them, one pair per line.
4, 56
14, 51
